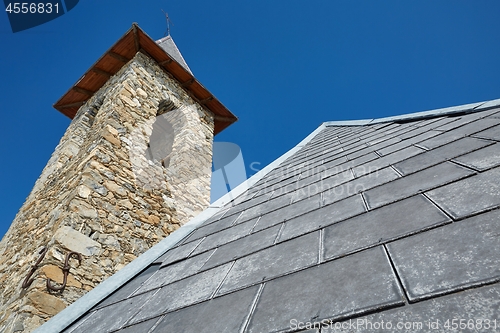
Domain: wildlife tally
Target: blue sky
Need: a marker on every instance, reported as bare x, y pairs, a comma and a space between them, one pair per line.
282, 67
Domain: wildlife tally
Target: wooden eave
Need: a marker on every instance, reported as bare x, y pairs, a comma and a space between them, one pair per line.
135, 40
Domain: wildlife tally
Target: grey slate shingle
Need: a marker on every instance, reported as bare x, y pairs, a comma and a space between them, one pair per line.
481, 306
226, 314
178, 253
441, 154
482, 159
316, 219
311, 294
175, 272
387, 160
381, 225
423, 180
243, 246
182, 293
272, 262
469, 196
451, 258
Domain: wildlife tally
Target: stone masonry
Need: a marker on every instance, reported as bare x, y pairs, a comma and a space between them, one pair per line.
104, 194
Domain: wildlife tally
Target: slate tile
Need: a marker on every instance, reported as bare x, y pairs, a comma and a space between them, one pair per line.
121, 312
495, 115
128, 288
178, 253
381, 225
265, 207
357, 151
473, 306
358, 185
294, 169
272, 262
225, 314
470, 123
205, 230
386, 160
458, 133
437, 122
143, 327
216, 216
332, 290
306, 192
469, 196
175, 272
478, 125
182, 293
225, 236
482, 159
335, 180
357, 160
256, 200
287, 179
243, 246
441, 154
492, 133
410, 185
454, 257
324, 216
426, 126
333, 162
414, 132
383, 142
78, 322
408, 142
240, 199
381, 137
442, 139
344, 167
288, 212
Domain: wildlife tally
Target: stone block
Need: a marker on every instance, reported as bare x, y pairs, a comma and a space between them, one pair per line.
83, 209
76, 241
56, 274
46, 303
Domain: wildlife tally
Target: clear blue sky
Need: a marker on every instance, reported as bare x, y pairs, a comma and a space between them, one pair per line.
282, 67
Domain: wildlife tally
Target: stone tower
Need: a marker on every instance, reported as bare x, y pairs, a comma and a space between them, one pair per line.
133, 165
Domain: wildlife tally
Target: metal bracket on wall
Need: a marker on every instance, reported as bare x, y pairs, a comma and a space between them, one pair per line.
29, 280
65, 270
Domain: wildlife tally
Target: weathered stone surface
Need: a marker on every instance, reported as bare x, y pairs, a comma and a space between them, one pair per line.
76, 241
46, 303
115, 188
83, 209
56, 274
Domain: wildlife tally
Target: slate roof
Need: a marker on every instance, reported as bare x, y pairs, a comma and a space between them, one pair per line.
168, 44
395, 220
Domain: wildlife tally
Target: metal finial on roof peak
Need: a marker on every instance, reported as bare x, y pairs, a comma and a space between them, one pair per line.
167, 33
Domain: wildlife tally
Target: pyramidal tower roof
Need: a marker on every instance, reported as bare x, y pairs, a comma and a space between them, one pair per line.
168, 44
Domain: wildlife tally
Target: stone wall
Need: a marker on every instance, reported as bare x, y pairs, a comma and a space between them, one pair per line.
101, 195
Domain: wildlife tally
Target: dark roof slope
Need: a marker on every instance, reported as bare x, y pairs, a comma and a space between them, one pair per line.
167, 43
396, 221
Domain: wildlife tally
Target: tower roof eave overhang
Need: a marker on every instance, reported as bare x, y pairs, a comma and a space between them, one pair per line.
133, 41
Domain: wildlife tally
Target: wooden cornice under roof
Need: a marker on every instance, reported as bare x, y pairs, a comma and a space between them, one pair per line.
135, 40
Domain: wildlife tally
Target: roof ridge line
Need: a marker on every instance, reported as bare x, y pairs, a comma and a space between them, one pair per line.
468, 108
69, 315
